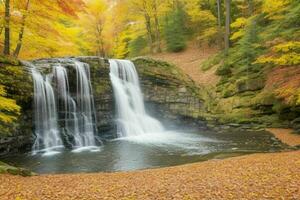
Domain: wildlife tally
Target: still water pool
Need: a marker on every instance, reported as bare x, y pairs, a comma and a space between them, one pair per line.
150, 151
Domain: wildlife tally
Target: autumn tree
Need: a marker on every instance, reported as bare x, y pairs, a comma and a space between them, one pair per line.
94, 19
22, 29
42, 27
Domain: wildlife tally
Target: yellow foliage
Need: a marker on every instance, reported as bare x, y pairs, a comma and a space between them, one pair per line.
239, 25
286, 47
239, 22
285, 59
197, 15
238, 34
208, 35
8, 107
286, 53
288, 59
290, 94
121, 49
273, 7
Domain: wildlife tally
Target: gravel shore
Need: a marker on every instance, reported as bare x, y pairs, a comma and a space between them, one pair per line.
256, 176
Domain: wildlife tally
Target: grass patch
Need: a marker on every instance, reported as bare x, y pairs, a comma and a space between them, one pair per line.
212, 61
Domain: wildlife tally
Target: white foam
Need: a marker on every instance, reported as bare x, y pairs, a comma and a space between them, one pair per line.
169, 138
87, 148
51, 153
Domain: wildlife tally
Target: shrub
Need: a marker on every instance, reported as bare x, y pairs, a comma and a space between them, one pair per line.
174, 31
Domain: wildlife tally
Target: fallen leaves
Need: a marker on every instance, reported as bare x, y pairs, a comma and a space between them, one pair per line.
257, 176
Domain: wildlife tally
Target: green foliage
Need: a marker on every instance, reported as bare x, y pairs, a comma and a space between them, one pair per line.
282, 37
224, 70
174, 31
137, 46
260, 41
248, 45
212, 61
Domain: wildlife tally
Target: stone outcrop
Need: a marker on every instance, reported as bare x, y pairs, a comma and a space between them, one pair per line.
169, 94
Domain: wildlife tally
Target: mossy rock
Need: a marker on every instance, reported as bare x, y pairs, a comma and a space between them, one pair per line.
228, 90
7, 169
9, 60
244, 85
264, 98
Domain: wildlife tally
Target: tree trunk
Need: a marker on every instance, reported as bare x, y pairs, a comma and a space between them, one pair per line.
227, 26
7, 28
100, 42
219, 13
219, 24
149, 31
21, 33
250, 7
157, 31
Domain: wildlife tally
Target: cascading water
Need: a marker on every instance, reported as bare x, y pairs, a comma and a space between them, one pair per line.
77, 113
132, 117
68, 104
85, 102
46, 128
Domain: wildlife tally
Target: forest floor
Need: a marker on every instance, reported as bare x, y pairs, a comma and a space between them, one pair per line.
256, 176
190, 62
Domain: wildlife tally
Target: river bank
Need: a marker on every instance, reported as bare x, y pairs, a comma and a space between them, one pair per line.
286, 136
265, 176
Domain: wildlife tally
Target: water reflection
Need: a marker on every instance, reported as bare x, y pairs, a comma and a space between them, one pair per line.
151, 152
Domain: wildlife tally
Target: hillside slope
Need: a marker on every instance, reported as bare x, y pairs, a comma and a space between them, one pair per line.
190, 60
257, 83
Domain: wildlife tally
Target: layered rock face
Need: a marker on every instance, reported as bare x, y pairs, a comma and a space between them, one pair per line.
169, 94
265, 97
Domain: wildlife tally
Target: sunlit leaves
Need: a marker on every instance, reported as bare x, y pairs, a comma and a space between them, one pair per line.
273, 7
287, 47
8, 107
49, 27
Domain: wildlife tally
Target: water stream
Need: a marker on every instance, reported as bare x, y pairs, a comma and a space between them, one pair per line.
53, 102
132, 118
46, 129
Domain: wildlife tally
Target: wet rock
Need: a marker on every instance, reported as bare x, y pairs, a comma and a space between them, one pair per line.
176, 92
234, 125
7, 169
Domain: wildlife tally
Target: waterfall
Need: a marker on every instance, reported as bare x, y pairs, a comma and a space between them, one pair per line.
132, 119
76, 112
68, 104
85, 102
46, 128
